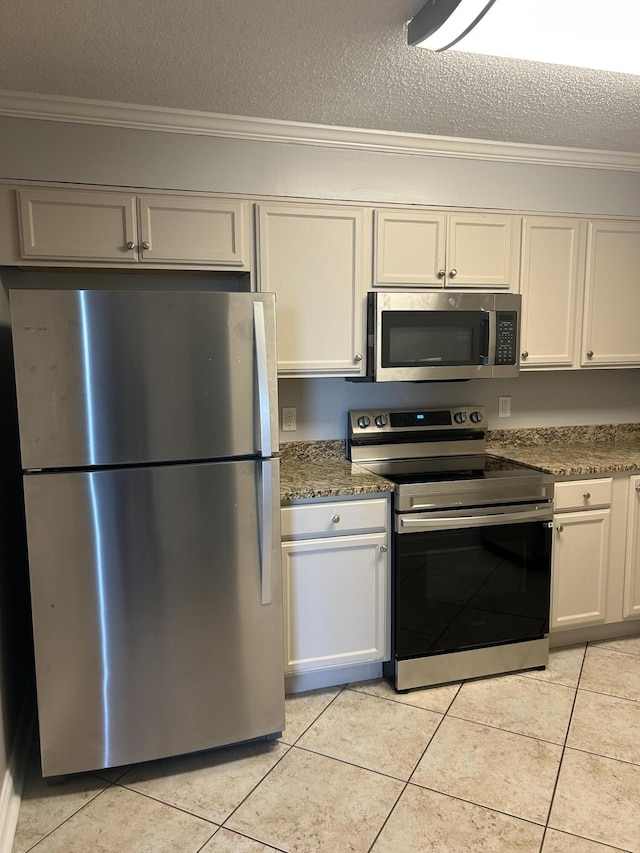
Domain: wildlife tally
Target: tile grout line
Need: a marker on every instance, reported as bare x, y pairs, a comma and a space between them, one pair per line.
68, 818
406, 784
564, 747
268, 773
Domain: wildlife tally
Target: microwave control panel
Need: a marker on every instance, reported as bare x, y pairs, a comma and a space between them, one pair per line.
506, 337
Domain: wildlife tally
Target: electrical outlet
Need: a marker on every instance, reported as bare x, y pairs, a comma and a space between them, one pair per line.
504, 407
288, 419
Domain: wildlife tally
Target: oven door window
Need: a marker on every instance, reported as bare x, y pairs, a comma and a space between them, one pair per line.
434, 338
469, 588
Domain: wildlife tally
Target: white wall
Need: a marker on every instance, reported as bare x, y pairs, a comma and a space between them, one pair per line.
537, 399
59, 151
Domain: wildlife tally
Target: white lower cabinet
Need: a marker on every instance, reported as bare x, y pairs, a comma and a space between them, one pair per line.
582, 523
335, 571
596, 553
631, 596
580, 568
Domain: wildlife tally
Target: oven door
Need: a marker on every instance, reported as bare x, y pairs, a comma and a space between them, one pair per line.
468, 579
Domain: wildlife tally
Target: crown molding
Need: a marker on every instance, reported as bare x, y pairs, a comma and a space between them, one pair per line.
141, 117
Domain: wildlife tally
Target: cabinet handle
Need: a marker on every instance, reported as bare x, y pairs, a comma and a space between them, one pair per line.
335, 519
357, 357
586, 495
560, 528
525, 354
453, 273
146, 244
441, 273
383, 549
590, 353
131, 245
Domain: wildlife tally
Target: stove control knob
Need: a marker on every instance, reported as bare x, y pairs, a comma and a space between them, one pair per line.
381, 420
476, 417
364, 421
460, 417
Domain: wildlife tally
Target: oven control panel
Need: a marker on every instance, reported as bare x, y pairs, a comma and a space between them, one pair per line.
371, 422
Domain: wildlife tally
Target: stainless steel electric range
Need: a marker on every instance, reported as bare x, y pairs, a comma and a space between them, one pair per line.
471, 559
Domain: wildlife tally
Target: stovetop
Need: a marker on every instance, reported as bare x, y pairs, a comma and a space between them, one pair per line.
437, 457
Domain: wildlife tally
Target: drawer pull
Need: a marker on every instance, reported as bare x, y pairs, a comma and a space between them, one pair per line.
586, 495
560, 528
383, 549
335, 519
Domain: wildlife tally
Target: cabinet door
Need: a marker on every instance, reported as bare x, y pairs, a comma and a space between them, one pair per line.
580, 567
631, 598
77, 225
193, 230
311, 258
483, 251
552, 270
612, 297
409, 249
335, 601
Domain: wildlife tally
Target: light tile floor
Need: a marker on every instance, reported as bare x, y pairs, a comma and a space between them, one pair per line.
538, 762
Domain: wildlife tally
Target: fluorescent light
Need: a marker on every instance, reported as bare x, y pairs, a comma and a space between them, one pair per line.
602, 34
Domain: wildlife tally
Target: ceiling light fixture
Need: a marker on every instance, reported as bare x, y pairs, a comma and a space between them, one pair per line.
601, 34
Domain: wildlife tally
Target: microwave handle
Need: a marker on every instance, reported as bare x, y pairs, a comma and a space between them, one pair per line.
493, 322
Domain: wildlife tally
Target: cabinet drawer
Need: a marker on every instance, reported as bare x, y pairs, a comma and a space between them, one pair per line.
334, 518
583, 494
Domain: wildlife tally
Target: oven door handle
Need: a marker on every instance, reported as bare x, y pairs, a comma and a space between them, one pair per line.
406, 525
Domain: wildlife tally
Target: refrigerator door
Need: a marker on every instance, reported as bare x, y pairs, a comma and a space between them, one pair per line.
119, 377
151, 635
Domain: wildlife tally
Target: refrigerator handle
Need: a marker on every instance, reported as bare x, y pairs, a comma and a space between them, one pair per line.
266, 531
264, 401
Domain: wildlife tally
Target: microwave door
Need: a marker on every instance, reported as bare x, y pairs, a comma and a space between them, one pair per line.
428, 345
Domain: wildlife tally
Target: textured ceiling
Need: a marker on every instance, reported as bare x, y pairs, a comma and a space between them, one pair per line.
340, 62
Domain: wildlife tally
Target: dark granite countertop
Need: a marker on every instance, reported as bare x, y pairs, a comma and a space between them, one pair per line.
318, 469
570, 451
314, 469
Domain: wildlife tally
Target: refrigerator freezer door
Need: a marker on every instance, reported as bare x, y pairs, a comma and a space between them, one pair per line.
151, 637
119, 377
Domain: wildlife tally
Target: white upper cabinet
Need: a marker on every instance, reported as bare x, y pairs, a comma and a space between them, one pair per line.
77, 225
551, 277
193, 230
82, 227
311, 257
409, 248
456, 250
612, 295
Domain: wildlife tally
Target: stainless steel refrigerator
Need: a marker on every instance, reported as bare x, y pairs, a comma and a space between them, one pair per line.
148, 430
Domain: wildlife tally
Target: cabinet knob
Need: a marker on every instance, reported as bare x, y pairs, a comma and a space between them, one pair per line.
586, 495
383, 549
357, 357
441, 273
453, 273
146, 244
524, 354
590, 353
131, 245
335, 519
638, 488
560, 528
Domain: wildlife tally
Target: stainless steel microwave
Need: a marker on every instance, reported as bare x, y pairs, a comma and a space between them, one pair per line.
425, 337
